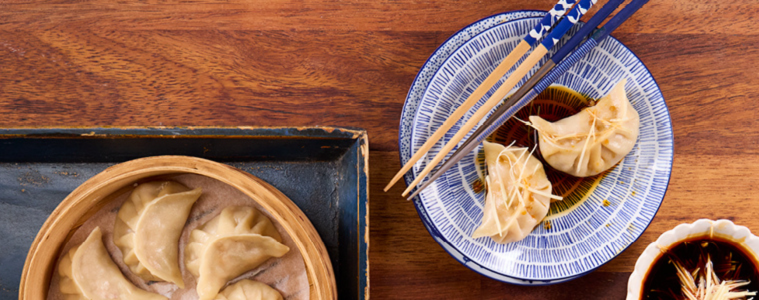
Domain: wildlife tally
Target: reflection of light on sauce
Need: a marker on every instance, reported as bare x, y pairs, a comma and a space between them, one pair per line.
553, 104
606, 202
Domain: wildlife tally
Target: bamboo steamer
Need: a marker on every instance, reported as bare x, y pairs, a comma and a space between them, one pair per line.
89, 197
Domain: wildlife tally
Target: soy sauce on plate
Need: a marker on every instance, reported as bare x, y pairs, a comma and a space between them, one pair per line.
730, 260
553, 104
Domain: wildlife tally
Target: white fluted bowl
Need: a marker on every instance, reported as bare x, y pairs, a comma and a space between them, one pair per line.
725, 229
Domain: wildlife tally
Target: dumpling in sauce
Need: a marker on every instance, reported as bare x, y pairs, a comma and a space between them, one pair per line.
88, 272
232, 243
593, 140
518, 196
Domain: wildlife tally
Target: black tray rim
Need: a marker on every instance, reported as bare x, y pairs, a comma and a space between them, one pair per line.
298, 132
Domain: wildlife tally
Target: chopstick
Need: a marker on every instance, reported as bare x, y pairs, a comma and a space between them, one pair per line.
548, 42
587, 29
524, 45
507, 110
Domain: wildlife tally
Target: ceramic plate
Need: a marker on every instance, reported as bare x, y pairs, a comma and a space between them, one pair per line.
588, 230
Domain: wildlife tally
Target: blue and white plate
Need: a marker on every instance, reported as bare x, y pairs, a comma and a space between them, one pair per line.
582, 237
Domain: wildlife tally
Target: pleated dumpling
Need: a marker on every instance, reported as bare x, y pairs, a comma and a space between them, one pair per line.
232, 243
87, 272
148, 228
518, 194
593, 140
249, 290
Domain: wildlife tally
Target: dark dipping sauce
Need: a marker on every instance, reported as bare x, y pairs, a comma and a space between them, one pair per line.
731, 262
553, 104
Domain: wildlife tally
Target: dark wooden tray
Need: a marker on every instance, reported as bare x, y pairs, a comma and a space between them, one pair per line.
324, 170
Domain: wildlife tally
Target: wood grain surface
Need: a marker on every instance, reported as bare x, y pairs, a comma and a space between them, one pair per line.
350, 63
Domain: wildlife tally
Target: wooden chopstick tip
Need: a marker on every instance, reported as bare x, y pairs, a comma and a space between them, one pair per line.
408, 189
388, 186
395, 180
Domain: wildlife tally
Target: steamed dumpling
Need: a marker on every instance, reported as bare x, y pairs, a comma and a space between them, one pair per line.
249, 290
232, 243
518, 196
148, 227
593, 140
88, 273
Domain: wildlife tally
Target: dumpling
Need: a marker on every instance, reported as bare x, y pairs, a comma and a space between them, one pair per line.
249, 290
88, 273
593, 140
518, 196
148, 228
234, 242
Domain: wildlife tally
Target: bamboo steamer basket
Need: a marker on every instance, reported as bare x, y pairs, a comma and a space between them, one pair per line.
93, 194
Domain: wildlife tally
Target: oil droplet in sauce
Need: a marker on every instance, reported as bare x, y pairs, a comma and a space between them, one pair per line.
547, 225
478, 186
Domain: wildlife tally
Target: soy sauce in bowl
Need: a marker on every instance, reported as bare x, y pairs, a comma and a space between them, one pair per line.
730, 262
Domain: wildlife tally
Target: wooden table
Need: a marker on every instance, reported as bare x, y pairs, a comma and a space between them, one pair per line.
350, 63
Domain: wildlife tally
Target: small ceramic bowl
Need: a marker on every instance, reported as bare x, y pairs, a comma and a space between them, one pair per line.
588, 228
724, 229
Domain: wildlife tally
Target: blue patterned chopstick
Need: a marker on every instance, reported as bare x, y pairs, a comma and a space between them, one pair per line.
581, 34
548, 21
572, 17
506, 111
548, 42
556, 13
